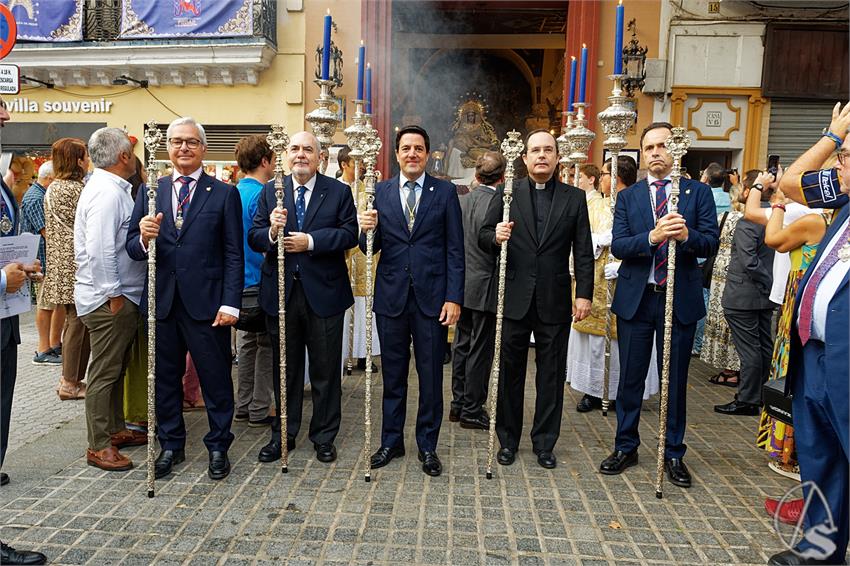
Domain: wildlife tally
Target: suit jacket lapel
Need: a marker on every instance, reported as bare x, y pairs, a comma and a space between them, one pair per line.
203, 188
15, 209
394, 204
425, 200
163, 197
316, 200
522, 196
289, 205
559, 203
645, 204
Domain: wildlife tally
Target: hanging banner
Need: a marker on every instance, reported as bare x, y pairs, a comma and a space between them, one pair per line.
47, 20
181, 18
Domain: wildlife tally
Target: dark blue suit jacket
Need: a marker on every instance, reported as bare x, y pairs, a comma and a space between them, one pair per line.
634, 219
12, 321
205, 262
331, 220
432, 256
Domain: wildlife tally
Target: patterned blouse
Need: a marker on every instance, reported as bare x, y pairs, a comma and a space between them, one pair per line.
60, 207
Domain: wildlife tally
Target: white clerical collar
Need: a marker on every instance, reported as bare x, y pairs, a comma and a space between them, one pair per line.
539, 186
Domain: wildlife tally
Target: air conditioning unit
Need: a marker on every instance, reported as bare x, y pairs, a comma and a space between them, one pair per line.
656, 75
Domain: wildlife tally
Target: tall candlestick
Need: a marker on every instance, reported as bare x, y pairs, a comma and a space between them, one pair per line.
572, 84
368, 88
361, 62
326, 47
618, 41
582, 83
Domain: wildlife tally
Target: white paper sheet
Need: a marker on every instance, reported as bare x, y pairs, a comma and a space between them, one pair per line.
22, 249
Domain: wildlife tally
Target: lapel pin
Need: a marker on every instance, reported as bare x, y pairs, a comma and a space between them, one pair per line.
209, 189
430, 188
688, 191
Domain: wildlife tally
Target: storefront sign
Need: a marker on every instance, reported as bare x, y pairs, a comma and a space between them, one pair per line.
25, 105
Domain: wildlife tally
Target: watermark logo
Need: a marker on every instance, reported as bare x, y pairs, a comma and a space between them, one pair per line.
820, 546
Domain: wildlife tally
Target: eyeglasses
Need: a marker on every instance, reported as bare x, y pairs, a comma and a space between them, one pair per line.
842, 157
177, 143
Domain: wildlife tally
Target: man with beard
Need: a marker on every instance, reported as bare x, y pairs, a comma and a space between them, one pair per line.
551, 221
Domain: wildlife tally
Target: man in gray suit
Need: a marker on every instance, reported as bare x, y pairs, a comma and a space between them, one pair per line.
474, 335
748, 309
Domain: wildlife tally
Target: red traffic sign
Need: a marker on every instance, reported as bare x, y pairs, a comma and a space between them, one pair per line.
8, 31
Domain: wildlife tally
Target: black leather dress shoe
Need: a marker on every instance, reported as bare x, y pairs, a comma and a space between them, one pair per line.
791, 558
617, 462
677, 472
738, 408
454, 415
385, 455
219, 465
506, 456
325, 452
9, 555
588, 403
431, 464
480, 421
166, 461
271, 452
546, 459
4, 478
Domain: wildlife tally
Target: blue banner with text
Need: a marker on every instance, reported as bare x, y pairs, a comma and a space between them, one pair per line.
47, 20
182, 18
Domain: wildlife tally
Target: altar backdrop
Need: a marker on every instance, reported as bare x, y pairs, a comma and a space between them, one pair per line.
180, 18
47, 20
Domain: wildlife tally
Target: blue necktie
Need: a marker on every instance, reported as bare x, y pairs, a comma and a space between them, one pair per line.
300, 206
660, 269
411, 203
183, 196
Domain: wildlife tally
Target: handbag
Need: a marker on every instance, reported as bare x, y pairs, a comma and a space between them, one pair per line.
777, 403
251, 315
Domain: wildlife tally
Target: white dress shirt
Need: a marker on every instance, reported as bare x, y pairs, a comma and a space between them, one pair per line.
403, 191
828, 285
104, 270
176, 186
309, 185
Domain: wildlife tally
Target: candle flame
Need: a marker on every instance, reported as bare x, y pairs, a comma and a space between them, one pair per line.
584, 46
329, 11
621, 2
573, 57
368, 65
361, 41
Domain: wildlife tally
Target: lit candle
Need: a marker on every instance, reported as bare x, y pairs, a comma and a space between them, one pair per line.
618, 41
361, 61
326, 48
572, 84
368, 88
582, 82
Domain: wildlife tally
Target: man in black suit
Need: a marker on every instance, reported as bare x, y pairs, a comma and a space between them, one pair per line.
474, 335
552, 222
319, 223
199, 281
748, 309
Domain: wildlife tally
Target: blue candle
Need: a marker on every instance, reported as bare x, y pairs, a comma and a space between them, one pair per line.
618, 41
361, 61
572, 84
368, 88
582, 82
326, 48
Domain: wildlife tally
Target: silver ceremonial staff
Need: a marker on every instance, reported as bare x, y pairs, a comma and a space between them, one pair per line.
279, 140
512, 147
563, 142
370, 146
152, 138
677, 144
616, 121
580, 139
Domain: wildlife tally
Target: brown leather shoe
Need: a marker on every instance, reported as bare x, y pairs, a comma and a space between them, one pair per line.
128, 437
69, 391
109, 459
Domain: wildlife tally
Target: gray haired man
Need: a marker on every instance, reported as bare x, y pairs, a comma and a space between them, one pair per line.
107, 292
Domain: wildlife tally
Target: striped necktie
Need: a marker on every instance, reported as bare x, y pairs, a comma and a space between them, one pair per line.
660, 269
807, 301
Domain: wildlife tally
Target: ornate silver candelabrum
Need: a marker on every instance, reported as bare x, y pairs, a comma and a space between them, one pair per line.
563, 142
580, 139
323, 120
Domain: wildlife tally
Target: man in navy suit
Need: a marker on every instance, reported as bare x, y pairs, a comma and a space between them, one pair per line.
642, 230
199, 280
319, 223
819, 336
418, 292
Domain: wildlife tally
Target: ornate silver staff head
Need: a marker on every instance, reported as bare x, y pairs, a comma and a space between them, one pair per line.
512, 147
278, 141
677, 144
153, 137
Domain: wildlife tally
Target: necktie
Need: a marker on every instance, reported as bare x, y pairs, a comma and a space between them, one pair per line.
807, 302
411, 203
660, 269
183, 200
300, 206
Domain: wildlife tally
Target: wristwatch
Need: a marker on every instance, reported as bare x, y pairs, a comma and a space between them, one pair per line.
758, 187
833, 137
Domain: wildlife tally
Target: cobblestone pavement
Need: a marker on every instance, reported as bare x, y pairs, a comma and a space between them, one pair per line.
327, 514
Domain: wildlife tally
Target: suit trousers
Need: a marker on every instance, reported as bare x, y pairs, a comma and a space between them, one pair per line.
550, 342
473, 357
820, 431
8, 375
753, 340
323, 340
254, 389
177, 334
635, 343
111, 338
429, 339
